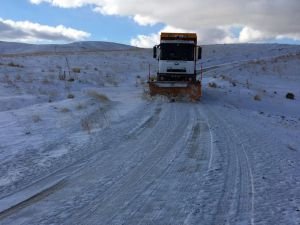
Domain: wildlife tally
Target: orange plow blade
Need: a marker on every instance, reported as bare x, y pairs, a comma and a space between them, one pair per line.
175, 89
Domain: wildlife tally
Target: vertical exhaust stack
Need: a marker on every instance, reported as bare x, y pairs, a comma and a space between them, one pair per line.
177, 55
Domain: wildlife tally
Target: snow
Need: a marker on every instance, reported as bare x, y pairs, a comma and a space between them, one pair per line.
82, 142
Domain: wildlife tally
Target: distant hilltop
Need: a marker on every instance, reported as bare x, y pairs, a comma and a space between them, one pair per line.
22, 48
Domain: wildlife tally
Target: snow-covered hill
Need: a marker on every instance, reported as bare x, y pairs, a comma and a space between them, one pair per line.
19, 48
82, 143
220, 54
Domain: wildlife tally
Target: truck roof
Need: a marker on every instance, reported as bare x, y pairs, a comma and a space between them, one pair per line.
179, 36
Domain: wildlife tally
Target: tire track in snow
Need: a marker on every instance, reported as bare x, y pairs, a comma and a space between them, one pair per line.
249, 170
143, 210
127, 185
224, 197
211, 146
32, 199
210, 152
190, 140
191, 149
233, 207
65, 172
116, 153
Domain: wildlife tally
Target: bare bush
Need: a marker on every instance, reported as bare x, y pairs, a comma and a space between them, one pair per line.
257, 98
12, 64
36, 118
62, 76
86, 125
65, 110
233, 83
212, 85
46, 81
290, 95
80, 106
99, 96
247, 84
18, 77
152, 78
71, 95
76, 70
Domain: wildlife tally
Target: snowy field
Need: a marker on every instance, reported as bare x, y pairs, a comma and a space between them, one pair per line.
81, 142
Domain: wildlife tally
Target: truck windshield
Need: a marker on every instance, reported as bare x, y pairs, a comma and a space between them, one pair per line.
176, 51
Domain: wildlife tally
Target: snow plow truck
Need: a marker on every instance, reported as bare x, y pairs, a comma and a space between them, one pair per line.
177, 55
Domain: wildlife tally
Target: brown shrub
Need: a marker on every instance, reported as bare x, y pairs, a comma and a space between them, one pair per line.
76, 70
99, 96
257, 98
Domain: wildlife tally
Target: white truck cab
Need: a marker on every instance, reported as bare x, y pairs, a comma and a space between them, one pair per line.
177, 55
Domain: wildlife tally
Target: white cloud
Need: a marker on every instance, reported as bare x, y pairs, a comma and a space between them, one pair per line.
144, 20
27, 31
145, 41
66, 3
259, 19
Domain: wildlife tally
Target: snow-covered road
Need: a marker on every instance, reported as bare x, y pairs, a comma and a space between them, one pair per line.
170, 163
167, 169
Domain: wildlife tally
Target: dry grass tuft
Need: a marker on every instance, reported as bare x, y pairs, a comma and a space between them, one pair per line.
65, 110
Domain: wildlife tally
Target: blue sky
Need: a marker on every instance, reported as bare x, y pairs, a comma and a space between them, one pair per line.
139, 22
114, 28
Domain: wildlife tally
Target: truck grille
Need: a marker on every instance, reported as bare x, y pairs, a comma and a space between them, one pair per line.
176, 70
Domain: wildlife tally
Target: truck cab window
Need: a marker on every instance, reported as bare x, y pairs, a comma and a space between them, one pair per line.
175, 51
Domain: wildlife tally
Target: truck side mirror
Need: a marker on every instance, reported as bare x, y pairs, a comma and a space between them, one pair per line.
199, 52
154, 52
